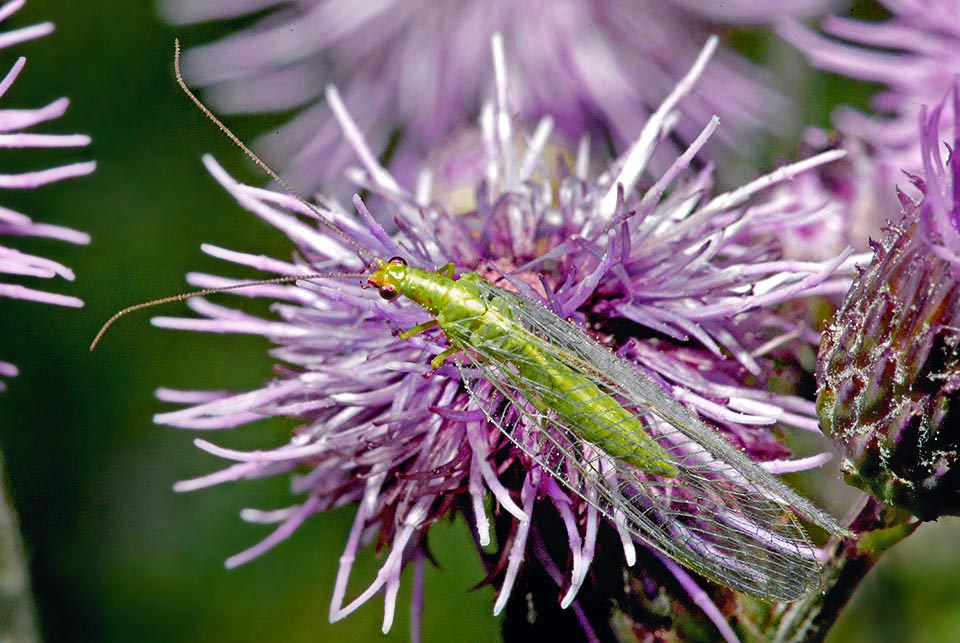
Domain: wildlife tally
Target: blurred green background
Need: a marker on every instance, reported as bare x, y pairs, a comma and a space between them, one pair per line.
115, 554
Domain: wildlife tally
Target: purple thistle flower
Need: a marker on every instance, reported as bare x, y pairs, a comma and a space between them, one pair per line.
416, 69
690, 287
889, 367
841, 199
13, 122
916, 56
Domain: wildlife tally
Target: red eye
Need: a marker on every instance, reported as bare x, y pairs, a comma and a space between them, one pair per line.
397, 261
389, 292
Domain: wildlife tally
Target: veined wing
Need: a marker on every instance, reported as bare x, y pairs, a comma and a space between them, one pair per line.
721, 514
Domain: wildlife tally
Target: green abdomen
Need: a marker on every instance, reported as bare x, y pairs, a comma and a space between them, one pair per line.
591, 413
485, 325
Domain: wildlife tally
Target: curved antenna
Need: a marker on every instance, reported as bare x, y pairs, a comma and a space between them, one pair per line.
256, 159
211, 291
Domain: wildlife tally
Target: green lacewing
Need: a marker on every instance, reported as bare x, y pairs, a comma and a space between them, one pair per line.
601, 427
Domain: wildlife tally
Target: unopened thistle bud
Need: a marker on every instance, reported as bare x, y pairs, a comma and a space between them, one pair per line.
889, 366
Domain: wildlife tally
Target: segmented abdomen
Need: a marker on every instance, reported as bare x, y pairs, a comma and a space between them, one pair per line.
593, 414
553, 386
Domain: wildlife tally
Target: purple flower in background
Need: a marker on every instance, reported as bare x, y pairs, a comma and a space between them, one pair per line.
692, 287
13, 122
916, 56
752, 11
414, 70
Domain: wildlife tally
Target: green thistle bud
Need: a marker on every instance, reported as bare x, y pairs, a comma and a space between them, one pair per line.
888, 374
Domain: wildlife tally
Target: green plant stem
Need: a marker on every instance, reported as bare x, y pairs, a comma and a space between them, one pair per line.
809, 621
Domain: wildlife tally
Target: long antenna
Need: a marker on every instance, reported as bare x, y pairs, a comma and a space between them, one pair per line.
212, 291
273, 175
256, 159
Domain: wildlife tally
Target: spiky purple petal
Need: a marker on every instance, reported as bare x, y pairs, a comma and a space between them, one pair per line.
16, 224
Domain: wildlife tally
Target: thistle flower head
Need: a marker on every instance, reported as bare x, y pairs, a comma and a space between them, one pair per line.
13, 123
414, 72
687, 285
889, 367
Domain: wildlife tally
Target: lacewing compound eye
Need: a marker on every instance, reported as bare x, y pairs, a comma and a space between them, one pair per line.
397, 261
389, 292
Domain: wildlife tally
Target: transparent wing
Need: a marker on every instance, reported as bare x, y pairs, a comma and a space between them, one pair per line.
721, 514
